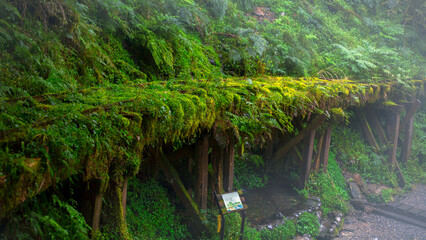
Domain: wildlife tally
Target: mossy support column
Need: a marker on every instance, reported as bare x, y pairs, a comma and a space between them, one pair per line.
307, 157
201, 185
228, 173
408, 124
113, 221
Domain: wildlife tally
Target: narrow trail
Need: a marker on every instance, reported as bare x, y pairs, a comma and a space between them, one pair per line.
366, 226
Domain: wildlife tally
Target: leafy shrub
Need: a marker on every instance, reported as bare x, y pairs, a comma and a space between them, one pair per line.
232, 227
47, 218
308, 224
330, 187
282, 232
150, 215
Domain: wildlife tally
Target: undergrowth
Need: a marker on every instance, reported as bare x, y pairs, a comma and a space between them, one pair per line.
150, 214
330, 187
357, 157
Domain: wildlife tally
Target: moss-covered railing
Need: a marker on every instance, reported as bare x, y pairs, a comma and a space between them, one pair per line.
102, 132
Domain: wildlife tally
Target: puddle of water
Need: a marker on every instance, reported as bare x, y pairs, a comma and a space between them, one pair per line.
268, 206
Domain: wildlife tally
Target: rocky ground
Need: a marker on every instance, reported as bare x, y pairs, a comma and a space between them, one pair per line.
366, 226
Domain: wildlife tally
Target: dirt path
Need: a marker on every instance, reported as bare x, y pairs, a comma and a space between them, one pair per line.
366, 226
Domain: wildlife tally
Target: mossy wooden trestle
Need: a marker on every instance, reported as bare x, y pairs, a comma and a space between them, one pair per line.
210, 121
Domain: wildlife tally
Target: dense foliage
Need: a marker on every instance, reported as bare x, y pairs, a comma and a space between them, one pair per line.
357, 157
47, 217
86, 85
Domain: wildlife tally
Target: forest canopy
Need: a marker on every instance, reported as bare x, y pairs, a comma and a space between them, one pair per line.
54, 46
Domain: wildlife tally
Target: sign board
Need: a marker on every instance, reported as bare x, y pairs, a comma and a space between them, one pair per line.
232, 201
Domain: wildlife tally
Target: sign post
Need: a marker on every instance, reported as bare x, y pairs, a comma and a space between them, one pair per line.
229, 203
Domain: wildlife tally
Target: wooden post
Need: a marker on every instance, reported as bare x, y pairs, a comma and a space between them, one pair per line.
326, 149
294, 141
124, 195
97, 209
219, 169
307, 157
367, 132
409, 125
319, 152
394, 138
228, 173
201, 185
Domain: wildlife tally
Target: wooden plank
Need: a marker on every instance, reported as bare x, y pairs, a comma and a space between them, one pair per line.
326, 149
307, 157
394, 138
202, 172
178, 187
228, 173
295, 140
404, 207
367, 131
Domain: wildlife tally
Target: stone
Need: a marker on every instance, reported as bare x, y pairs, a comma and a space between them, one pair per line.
356, 191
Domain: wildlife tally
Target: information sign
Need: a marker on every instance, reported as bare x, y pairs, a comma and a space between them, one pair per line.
232, 201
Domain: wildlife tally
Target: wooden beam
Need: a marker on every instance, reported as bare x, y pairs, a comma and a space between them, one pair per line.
307, 157
178, 187
228, 173
201, 186
367, 131
377, 126
295, 140
394, 138
326, 149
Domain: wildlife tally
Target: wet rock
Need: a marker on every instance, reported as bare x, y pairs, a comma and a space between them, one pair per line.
278, 215
356, 191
